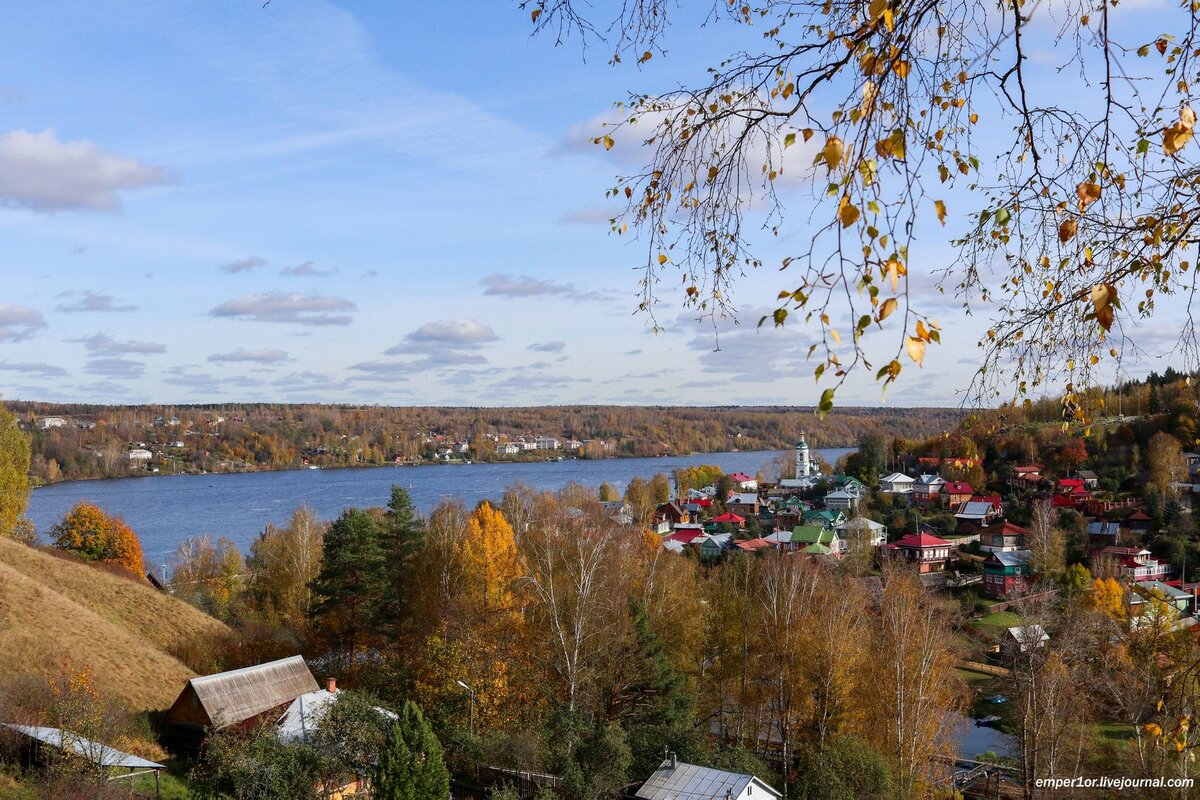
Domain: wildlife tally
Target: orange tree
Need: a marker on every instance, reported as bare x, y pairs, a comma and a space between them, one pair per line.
91, 533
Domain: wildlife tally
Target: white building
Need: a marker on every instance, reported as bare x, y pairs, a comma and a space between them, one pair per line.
546, 443
804, 464
896, 483
138, 456
46, 423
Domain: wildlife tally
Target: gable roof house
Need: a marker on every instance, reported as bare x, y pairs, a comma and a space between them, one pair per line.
744, 504
1023, 638
841, 500
954, 493
1006, 573
229, 698
926, 488
744, 482
896, 483
860, 533
1002, 538
977, 513
675, 780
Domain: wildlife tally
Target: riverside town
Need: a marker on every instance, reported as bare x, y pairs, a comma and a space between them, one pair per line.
598, 400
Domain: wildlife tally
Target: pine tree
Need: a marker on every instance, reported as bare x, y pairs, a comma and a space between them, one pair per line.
402, 537
411, 765
351, 580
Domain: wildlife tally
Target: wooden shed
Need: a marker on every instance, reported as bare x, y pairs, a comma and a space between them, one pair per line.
228, 698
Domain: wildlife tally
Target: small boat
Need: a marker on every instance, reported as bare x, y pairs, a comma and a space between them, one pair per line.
999, 698
313, 466
990, 719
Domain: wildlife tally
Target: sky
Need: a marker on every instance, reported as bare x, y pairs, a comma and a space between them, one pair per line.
363, 202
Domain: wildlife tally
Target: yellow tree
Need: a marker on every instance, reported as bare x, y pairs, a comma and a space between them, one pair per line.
14, 474
914, 680
88, 532
1107, 596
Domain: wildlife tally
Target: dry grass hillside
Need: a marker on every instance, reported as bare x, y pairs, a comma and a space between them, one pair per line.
52, 608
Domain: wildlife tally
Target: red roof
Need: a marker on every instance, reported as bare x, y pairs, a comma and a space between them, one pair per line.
1011, 529
754, 544
729, 517
1061, 500
1026, 469
1070, 483
740, 477
958, 487
703, 502
921, 540
685, 537
991, 499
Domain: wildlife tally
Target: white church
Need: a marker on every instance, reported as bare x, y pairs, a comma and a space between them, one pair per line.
807, 471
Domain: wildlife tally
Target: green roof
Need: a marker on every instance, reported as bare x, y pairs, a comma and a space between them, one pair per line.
811, 534
817, 550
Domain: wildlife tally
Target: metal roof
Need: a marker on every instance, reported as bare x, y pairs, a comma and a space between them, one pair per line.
974, 508
99, 754
230, 697
691, 782
305, 713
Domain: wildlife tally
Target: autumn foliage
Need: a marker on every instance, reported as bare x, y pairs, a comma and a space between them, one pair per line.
89, 532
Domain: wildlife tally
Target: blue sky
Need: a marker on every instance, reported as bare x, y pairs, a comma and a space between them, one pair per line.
350, 202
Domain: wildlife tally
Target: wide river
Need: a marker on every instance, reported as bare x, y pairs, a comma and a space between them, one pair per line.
165, 509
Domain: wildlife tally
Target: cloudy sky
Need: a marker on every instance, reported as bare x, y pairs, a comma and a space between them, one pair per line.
354, 202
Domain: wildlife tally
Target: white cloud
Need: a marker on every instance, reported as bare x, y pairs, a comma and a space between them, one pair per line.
500, 284
42, 173
38, 368
251, 356
455, 333
291, 308
547, 347
103, 343
19, 322
306, 270
116, 368
92, 301
248, 264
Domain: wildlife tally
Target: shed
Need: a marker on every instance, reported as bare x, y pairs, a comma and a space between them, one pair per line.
227, 698
117, 765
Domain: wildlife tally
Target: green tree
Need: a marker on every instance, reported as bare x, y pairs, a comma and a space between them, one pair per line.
14, 474
845, 769
350, 583
660, 489
254, 765
411, 765
349, 737
607, 493
402, 537
653, 706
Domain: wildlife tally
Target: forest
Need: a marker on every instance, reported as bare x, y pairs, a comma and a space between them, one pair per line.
93, 441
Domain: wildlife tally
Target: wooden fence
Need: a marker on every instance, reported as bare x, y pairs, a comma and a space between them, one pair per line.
986, 669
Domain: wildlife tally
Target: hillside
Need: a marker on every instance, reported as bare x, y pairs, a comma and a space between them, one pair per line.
87, 441
52, 608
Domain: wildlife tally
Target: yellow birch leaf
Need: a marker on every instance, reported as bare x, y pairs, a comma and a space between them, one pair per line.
940, 207
915, 348
1066, 231
887, 308
1087, 193
847, 212
833, 152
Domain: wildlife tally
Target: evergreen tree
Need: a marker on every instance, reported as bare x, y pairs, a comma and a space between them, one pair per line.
655, 708
402, 537
351, 580
411, 765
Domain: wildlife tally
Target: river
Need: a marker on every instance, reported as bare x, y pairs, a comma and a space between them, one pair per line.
165, 509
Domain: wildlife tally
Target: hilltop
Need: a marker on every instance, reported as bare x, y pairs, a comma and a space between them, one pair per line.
53, 608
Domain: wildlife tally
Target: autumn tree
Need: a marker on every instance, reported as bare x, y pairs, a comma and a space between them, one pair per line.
1046, 543
640, 499
90, 533
14, 474
1168, 468
283, 563
660, 489
209, 575
1073, 214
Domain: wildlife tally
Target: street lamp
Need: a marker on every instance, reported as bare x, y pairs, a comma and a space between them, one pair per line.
471, 692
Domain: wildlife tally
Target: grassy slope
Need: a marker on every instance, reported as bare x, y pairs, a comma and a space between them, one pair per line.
52, 608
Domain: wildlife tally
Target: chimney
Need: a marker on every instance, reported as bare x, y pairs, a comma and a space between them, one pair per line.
674, 761
331, 685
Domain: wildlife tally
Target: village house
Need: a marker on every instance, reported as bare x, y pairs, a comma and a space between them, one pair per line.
1138, 523
1136, 563
1090, 479
815, 540
213, 702
138, 457
1021, 639
1026, 477
744, 504
976, 514
1006, 573
896, 483
826, 518
1003, 537
860, 534
672, 514
676, 780
954, 493
743, 482
729, 518
926, 488
927, 551
1181, 601
841, 500
1102, 533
